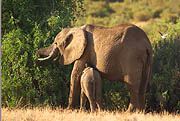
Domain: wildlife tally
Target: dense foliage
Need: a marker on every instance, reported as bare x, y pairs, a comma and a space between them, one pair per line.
164, 93
26, 26
105, 12
29, 25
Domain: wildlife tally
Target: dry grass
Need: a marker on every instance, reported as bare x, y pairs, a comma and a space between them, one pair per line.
48, 114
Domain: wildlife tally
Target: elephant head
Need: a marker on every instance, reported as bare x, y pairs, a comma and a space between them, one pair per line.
70, 43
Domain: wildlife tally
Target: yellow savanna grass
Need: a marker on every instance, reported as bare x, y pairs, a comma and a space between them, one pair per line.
48, 114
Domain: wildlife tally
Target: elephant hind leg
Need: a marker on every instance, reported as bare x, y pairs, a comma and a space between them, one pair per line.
99, 102
83, 101
92, 103
142, 91
98, 94
90, 97
141, 101
134, 99
133, 85
142, 88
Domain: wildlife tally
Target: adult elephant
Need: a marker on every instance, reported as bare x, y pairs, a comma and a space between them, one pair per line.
119, 53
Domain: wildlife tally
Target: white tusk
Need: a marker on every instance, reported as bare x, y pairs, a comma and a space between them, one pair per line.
46, 58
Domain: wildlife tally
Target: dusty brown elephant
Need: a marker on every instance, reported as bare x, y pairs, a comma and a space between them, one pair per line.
119, 53
91, 88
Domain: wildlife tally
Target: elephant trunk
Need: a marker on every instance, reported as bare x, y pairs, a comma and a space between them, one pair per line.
49, 52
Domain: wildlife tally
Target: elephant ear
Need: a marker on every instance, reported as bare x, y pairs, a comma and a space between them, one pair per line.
74, 46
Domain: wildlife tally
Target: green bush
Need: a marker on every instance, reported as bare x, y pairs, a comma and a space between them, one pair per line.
164, 93
122, 14
115, 20
115, 95
98, 9
23, 83
142, 16
27, 26
170, 16
156, 12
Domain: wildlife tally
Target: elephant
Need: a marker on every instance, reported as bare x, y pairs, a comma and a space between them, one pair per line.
91, 87
120, 53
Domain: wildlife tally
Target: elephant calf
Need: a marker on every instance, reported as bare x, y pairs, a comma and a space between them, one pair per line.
91, 87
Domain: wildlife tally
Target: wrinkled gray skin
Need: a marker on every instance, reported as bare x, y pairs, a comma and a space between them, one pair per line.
91, 87
119, 53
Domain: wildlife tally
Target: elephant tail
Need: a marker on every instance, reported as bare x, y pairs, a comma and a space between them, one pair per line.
147, 71
94, 90
149, 65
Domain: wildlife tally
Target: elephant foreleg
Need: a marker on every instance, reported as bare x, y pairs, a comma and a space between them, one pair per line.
75, 84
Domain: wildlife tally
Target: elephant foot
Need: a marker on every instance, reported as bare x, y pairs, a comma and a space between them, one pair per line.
132, 109
71, 107
83, 109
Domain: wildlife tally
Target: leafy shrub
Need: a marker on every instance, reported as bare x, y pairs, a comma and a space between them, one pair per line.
98, 20
142, 16
156, 12
99, 9
122, 14
170, 16
28, 25
164, 92
115, 95
23, 83
115, 20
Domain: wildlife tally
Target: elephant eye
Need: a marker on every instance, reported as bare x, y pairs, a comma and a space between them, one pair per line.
68, 40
